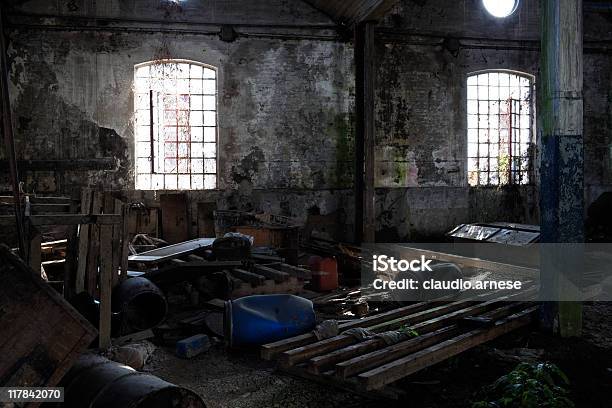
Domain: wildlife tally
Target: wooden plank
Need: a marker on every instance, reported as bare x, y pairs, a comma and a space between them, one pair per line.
249, 277
304, 353
106, 284
353, 366
116, 207
271, 350
300, 354
175, 223
300, 273
366, 361
317, 363
125, 251
143, 220
64, 219
49, 208
86, 200
270, 273
206, 220
34, 251
72, 249
91, 277
36, 200
388, 373
42, 335
376, 11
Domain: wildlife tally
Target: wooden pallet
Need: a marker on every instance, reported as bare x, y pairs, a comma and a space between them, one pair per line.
445, 328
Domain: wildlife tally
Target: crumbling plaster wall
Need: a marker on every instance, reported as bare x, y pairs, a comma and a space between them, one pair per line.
286, 101
284, 104
426, 49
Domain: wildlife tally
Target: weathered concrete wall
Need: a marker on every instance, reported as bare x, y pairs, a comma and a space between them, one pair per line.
426, 50
284, 104
286, 101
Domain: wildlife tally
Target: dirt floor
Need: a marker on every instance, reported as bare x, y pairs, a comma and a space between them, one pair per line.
243, 380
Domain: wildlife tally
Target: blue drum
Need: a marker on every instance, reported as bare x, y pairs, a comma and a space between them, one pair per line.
261, 319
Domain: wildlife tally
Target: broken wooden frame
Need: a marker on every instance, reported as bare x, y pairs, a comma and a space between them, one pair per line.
97, 247
372, 365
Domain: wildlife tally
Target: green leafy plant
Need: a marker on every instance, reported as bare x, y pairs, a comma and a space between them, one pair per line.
540, 385
405, 329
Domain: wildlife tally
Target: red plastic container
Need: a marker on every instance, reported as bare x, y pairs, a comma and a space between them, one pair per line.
324, 273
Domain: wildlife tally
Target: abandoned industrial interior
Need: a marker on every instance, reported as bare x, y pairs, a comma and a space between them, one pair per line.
306, 203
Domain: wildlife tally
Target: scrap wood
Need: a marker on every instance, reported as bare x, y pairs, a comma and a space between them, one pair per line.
42, 335
272, 350
371, 363
303, 353
388, 373
185, 271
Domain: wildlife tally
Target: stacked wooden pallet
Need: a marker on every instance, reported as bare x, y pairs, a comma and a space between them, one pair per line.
277, 277
444, 328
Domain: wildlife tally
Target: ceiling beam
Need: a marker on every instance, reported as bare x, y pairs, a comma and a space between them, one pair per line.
376, 11
351, 12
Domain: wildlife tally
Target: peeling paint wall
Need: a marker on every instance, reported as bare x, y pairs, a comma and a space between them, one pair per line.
286, 103
285, 95
426, 50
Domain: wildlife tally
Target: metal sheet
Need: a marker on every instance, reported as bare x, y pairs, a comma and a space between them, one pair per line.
514, 237
474, 232
172, 251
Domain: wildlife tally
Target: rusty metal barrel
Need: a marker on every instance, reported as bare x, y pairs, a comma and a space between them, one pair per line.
96, 382
140, 303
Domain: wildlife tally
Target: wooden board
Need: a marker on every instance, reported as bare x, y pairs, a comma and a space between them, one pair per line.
442, 330
143, 221
83, 242
175, 222
206, 219
107, 270
41, 335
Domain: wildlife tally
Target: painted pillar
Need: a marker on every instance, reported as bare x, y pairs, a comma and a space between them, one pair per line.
562, 162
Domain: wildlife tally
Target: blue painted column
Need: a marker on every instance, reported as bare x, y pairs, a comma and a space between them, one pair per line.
560, 122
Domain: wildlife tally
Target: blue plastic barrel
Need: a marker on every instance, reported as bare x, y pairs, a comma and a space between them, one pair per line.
261, 319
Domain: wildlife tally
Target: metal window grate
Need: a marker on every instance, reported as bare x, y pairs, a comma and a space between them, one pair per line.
176, 126
500, 123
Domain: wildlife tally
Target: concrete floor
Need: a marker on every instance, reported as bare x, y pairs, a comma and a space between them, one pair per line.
242, 380
236, 380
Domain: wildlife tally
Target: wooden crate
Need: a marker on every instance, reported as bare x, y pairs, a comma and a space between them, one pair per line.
41, 334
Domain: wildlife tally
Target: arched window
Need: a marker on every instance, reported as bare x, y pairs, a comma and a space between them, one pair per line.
176, 125
499, 128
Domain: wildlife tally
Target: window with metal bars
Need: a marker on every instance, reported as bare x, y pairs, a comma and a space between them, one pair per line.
176, 125
499, 128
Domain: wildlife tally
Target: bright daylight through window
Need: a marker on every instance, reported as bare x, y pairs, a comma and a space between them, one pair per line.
176, 126
500, 123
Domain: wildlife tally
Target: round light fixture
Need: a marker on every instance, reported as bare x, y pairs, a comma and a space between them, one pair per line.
500, 8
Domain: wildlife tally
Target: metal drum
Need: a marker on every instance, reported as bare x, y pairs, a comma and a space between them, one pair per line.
260, 319
140, 303
95, 382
